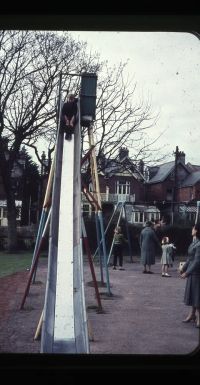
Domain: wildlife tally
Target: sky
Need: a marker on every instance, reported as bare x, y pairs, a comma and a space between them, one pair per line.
166, 68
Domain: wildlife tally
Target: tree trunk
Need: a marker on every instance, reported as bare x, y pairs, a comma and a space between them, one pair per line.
12, 224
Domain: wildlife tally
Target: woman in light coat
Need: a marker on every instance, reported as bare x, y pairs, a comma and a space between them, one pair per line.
191, 271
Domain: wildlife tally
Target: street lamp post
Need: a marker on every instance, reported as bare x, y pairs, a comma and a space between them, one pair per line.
175, 183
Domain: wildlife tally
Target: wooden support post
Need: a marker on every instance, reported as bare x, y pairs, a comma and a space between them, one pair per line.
43, 218
93, 163
87, 247
35, 262
98, 211
120, 214
86, 156
39, 327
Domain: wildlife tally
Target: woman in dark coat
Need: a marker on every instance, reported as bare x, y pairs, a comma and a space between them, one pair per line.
191, 271
149, 243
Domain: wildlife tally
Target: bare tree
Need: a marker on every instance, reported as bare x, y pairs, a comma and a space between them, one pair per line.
122, 120
30, 64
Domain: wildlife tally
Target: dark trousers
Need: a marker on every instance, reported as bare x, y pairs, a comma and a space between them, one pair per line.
117, 252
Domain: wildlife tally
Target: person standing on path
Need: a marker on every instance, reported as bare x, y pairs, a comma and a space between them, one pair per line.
149, 243
119, 240
191, 271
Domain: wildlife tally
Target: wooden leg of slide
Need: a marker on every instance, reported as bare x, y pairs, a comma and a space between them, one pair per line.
39, 327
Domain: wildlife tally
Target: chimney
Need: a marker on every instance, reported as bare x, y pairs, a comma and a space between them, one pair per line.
123, 153
141, 166
181, 156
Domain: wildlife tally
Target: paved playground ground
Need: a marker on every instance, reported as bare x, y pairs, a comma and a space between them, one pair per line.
143, 316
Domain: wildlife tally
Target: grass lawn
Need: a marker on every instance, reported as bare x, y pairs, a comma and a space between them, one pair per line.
11, 263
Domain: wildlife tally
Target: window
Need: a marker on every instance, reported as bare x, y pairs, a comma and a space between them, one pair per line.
18, 212
4, 213
136, 217
154, 216
141, 217
169, 194
86, 208
123, 187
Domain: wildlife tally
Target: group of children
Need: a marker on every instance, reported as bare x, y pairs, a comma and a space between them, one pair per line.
167, 257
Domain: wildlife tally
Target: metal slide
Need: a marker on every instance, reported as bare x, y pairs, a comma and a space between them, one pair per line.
64, 327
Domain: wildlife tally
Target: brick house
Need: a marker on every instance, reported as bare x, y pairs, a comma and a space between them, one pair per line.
123, 181
174, 187
190, 188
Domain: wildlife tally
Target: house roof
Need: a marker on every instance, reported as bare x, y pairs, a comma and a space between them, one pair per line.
141, 208
193, 167
162, 173
115, 166
192, 179
164, 170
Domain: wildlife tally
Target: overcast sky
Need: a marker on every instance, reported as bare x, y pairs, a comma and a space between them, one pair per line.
165, 66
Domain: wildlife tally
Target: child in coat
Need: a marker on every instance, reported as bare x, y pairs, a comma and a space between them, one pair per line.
69, 112
119, 240
167, 254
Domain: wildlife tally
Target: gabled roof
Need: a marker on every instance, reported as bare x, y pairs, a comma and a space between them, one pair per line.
145, 208
116, 166
133, 169
164, 170
192, 179
162, 173
193, 167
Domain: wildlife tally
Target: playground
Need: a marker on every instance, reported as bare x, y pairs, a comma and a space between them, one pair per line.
71, 303
143, 316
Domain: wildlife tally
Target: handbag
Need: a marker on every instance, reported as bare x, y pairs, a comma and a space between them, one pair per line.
180, 265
